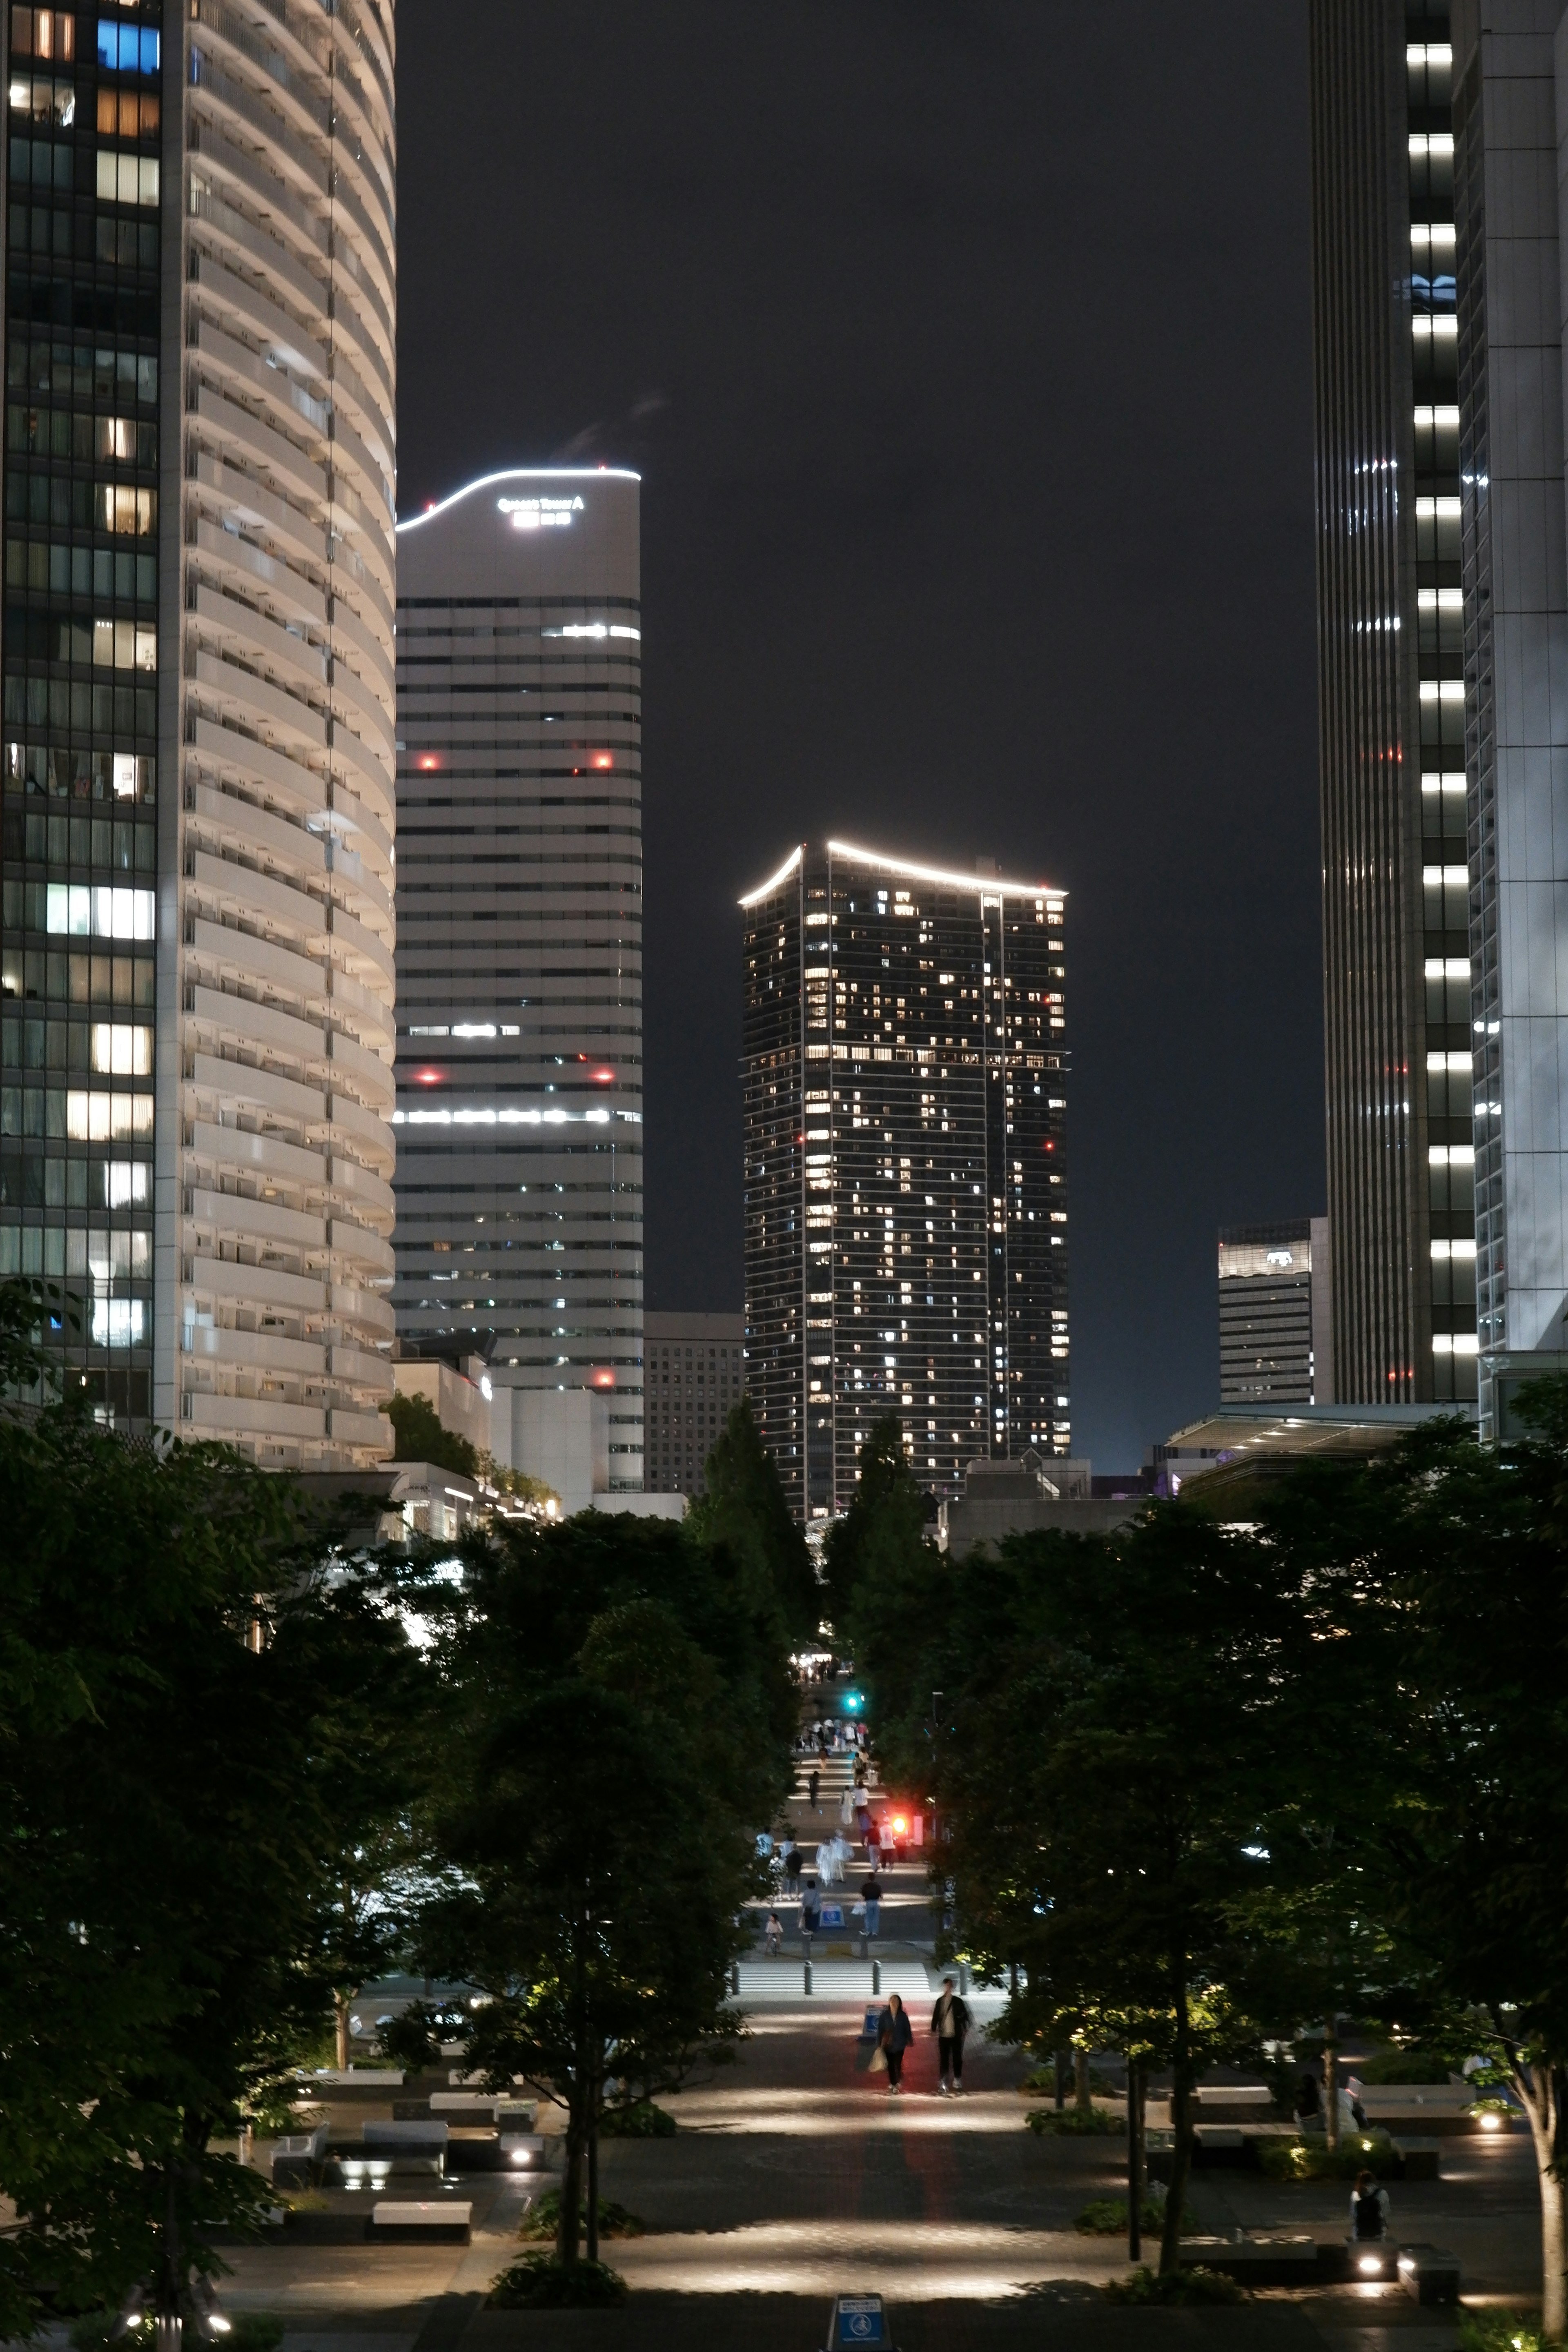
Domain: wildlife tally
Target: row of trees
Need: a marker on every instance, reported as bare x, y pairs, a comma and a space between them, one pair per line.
245, 1765
1206, 1785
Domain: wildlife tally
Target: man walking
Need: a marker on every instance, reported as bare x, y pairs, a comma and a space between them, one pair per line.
814, 1781
949, 2023
871, 1895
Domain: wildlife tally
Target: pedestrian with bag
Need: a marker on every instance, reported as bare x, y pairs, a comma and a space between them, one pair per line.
1369, 2208
949, 2023
894, 2036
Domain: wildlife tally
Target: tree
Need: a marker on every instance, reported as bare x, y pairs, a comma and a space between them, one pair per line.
878, 1563
619, 1716
1464, 1549
1110, 1776
172, 1663
744, 1510
421, 1438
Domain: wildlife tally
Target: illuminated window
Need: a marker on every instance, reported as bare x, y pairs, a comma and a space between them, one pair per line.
127, 48
126, 179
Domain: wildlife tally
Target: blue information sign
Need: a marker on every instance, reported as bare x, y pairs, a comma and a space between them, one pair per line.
857, 2319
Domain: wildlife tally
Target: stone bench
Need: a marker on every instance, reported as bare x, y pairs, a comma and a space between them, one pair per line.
415, 2220
1264, 2260
296, 2157
1429, 2274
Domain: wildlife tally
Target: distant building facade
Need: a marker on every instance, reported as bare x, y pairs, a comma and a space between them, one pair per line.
694, 1372
519, 1116
906, 1212
1275, 1344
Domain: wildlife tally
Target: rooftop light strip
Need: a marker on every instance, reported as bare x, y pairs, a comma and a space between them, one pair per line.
522, 474
771, 884
988, 885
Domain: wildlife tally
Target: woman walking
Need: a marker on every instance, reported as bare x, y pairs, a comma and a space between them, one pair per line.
894, 2036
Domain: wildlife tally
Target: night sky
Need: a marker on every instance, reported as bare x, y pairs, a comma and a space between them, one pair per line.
964, 352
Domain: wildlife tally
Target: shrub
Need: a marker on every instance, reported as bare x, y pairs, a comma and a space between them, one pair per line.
544, 2282
250, 2331
1075, 2123
1106, 2217
1500, 2331
641, 2120
1194, 2285
1313, 2159
1403, 2067
544, 2220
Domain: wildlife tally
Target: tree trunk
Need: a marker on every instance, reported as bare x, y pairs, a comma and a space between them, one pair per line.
1331, 2082
1545, 2092
572, 2184
1081, 2097
1135, 2167
1181, 2138
594, 2181
340, 2016
1061, 2067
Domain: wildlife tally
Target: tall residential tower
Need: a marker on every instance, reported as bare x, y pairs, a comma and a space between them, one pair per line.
520, 1191
197, 949
905, 1187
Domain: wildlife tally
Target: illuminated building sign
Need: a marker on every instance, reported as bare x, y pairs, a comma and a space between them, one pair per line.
540, 514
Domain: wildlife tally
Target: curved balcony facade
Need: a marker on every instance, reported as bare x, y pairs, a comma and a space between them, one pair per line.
276, 1026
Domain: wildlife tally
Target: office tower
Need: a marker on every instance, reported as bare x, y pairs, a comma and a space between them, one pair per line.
1486, 530
905, 1190
520, 1198
1510, 85
696, 1372
1273, 1314
198, 799
1396, 872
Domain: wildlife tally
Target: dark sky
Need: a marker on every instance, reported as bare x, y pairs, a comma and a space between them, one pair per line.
964, 349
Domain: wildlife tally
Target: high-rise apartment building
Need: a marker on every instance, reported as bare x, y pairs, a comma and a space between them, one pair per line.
905, 1187
1444, 619
1398, 864
1273, 1319
695, 1372
196, 957
520, 1189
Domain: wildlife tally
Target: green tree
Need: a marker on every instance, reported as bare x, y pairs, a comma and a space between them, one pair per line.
422, 1438
1110, 1779
1464, 1549
880, 1546
619, 1716
172, 1660
744, 1510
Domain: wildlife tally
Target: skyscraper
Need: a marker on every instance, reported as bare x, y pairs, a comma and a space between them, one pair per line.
1478, 541
696, 1373
519, 1195
905, 1187
1273, 1324
198, 806
1397, 862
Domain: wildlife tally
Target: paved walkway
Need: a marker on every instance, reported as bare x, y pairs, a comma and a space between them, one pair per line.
792, 2178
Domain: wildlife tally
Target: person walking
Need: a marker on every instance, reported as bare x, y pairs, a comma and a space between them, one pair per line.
775, 1938
813, 1782
847, 1810
894, 2036
810, 1915
791, 1868
1369, 2208
949, 2023
873, 1845
871, 1897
